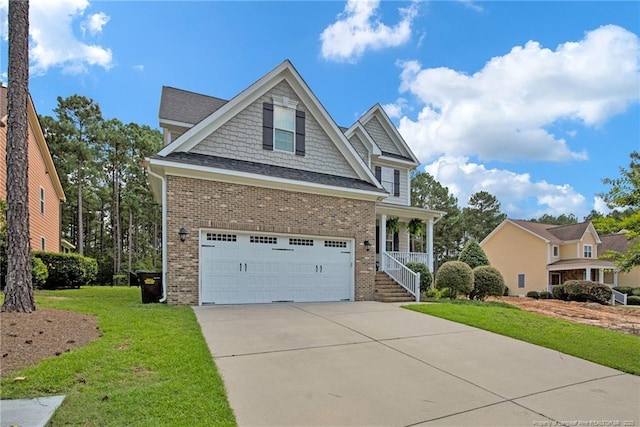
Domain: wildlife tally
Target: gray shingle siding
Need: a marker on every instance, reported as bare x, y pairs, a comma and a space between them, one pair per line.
360, 148
380, 137
241, 138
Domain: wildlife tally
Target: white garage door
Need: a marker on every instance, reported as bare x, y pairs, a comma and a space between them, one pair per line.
238, 268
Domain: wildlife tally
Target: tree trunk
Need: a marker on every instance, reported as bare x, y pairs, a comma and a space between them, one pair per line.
19, 290
130, 238
80, 219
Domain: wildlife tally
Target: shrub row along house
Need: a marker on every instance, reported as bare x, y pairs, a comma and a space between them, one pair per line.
45, 190
265, 198
533, 256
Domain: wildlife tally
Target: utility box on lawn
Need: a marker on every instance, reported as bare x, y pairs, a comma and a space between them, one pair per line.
151, 285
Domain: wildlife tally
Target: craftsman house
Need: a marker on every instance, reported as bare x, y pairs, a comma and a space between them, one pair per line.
533, 256
45, 190
265, 198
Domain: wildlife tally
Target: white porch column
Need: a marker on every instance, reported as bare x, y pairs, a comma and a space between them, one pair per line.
601, 275
615, 277
430, 243
382, 244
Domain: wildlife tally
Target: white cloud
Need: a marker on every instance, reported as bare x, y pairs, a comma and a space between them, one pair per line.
599, 205
138, 68
512, 190
472, 5
394, 110
53, 42
503, 111
94, 23
359, 29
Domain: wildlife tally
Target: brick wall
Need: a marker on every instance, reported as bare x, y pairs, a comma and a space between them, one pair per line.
196, 204
241, 138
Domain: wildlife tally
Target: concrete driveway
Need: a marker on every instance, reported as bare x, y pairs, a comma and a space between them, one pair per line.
368, 363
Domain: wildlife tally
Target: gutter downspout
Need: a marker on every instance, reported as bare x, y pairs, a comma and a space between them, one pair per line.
164, 232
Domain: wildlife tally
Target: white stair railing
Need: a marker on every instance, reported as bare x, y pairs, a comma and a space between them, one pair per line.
618, 297
402, 275
407, 257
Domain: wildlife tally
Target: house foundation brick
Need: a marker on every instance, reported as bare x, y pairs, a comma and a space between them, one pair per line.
201, 204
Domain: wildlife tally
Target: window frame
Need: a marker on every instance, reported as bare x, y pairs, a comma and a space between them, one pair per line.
588, 247
43, 243
555, 251
521, 281
279, 110
42, 201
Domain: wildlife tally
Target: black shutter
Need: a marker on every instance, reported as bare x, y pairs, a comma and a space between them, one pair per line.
396, 182
396, 241
377, 239
267, 126
300, 132
379, 174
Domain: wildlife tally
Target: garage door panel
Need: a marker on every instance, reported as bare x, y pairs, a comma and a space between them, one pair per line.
252, 268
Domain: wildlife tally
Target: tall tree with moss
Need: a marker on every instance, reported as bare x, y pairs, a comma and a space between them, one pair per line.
19, 287
625, 193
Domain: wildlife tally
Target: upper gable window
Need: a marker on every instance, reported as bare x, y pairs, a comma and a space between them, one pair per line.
284, 128
588, 251
556, 251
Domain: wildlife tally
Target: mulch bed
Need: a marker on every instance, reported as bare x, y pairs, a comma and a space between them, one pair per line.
27, 338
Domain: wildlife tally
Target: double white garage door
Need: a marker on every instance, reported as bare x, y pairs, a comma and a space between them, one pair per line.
239, 268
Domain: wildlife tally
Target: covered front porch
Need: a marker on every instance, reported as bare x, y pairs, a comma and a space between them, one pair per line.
596, 270
404, 234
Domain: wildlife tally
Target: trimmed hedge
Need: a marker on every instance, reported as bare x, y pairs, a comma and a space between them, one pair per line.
583, 291
426, 278
545, 295
487, 281
633, 300
68, 270
473, 254
533, 294
457, 276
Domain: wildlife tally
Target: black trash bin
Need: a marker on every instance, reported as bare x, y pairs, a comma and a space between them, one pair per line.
151, 285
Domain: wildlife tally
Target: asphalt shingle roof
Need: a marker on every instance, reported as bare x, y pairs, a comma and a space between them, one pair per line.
270, 170
187, 107
555, 233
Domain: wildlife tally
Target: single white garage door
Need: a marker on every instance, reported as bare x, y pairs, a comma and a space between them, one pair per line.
239, 268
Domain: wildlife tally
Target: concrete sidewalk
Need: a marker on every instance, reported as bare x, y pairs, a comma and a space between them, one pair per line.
34, 412
369, 363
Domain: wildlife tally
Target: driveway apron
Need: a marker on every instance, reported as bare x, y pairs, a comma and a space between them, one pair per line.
369, 363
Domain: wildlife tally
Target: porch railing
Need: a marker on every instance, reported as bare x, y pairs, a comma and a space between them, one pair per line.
402, 275
406, 257
618, 298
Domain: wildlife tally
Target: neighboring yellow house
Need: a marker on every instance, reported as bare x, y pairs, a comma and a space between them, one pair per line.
619, 243
532, 256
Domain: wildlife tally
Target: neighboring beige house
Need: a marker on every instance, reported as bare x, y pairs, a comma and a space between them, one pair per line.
265, 198
533, 256
619, 243
45, 191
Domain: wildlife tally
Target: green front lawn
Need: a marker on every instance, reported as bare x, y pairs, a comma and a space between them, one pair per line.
152, 362
599, 345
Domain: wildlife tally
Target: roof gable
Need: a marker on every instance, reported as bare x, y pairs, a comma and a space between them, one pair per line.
383, 132
552, 233
283, 72
182, 107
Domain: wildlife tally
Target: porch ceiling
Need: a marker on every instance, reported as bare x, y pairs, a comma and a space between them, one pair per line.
407, 213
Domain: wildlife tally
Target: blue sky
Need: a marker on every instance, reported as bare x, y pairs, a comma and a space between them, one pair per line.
534, 102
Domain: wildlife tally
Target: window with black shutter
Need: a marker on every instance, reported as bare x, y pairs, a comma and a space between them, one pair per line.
267, 126
378, 173
300, 133
396, 182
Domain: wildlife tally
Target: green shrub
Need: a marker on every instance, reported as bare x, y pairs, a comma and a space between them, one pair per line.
426, 278
635, 292
506, 291
545, 295
624, 289
559, 292
473, 255
487, 281
39, 272
68, 270
457, 276
533, 294
433, 293
586, 290
633, 300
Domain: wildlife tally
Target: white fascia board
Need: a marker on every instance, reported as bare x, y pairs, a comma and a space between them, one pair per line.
255, 180
408, 211
166, 122
592, 229
494, 231
359, 130
391, 129
392, 161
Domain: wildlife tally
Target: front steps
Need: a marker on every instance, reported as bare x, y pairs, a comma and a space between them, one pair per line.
387, 290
